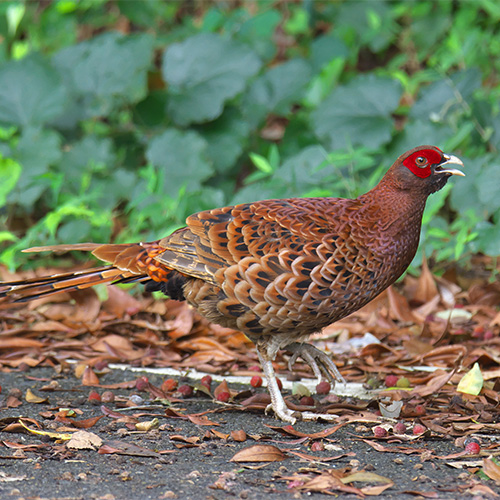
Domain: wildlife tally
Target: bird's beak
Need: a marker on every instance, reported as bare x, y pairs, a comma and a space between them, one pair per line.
450, 160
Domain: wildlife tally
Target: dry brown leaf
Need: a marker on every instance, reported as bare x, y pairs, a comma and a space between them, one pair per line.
439, 379
259, 453
201, 420
239, 436
426, 286
491, 469
482, 491
84, 440
89, 378
121, 302
32, 398
399, 306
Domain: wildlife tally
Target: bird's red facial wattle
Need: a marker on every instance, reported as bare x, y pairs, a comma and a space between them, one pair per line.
420, 162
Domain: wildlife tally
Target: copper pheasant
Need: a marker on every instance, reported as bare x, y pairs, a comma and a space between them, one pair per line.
277, 270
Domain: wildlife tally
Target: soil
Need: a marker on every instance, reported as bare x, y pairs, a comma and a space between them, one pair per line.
181, 459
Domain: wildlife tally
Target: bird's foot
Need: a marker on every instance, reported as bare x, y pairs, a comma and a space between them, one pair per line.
278, 405
320, 363
291, 416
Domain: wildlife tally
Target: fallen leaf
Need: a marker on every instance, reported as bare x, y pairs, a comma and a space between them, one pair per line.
472, 381
259, 453
32, 398
491, 469
84, 440
147, 426
239, 436
89, 378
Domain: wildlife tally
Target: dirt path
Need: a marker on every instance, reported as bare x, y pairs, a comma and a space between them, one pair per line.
184, 456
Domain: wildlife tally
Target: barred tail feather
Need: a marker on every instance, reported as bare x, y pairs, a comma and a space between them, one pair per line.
24, 291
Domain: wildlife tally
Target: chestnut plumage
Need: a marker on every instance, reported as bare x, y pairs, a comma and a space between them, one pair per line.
278, 270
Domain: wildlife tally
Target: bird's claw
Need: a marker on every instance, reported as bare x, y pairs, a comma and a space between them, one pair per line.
320, 363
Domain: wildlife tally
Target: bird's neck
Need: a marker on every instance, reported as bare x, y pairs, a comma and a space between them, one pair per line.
397, 215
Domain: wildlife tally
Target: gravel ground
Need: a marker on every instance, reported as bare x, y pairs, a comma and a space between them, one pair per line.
202, 468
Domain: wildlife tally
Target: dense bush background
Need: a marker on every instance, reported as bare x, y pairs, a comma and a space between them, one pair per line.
120, 118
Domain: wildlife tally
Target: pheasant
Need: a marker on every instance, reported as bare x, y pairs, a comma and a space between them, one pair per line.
277, 270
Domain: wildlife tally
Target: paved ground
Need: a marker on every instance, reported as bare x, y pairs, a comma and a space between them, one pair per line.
183, 459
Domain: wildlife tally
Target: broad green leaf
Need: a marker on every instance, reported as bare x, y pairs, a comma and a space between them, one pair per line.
108, 70
31, 92
487, 240
36, 151
419, 132
182, 156
445, 96
276, 90
326, 48
257, 30
479, 192
203, 72
358, 113
10, 171
225, 138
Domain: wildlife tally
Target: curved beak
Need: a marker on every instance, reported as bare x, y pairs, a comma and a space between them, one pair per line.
443, 167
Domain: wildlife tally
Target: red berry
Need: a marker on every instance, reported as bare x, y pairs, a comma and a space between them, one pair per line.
185, 390
280, 385
323, 387
478, 332
317, 446
307, 401
206, 381
400, 428
473, 448
256, 381
418, 429
254, 368
391, 380
379, 432
141, 383
169, 385
94, 398
420, 410
223, 396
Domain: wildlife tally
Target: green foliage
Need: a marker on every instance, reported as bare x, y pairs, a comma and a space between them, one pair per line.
119, 119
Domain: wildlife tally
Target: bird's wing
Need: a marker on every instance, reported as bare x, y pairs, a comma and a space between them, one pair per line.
270, 231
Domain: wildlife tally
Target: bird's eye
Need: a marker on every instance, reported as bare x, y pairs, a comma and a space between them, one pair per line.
421, 161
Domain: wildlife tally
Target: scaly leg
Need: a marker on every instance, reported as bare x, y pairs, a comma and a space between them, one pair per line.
277, 402
319, 362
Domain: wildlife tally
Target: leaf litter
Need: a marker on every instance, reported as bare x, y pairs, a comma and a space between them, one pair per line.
436, 333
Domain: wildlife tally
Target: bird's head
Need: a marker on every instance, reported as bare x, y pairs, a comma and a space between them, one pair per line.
425, 168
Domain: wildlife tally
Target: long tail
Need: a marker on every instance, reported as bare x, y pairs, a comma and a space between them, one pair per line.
130, 262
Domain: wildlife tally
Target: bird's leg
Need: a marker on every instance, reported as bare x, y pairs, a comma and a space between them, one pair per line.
319, 362
277, 402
